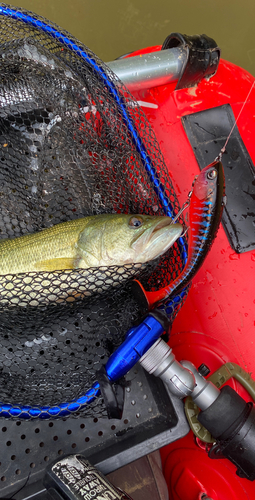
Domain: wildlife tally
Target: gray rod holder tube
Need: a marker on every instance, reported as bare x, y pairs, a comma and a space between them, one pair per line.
150, 70
182, 378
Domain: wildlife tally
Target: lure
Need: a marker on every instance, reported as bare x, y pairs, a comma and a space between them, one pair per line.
206, 202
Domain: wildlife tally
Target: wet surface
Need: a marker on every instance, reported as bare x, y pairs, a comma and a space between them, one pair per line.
114, 28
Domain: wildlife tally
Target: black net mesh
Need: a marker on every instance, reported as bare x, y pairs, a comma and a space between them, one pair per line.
67, 152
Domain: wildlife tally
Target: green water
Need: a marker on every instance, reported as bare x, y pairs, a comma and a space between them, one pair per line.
114, 27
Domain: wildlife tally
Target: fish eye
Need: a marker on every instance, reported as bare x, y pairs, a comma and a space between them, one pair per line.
135, 222
212, 174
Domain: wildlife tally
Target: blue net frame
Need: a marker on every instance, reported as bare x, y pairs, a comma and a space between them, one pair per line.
155, 330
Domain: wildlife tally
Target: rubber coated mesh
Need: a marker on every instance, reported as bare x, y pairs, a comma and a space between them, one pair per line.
67, 152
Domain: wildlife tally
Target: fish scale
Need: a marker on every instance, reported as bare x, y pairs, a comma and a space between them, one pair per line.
24, 254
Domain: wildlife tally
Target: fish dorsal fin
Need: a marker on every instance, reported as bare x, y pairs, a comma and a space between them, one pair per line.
58, 264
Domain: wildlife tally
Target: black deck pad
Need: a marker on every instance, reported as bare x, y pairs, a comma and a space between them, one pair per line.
207, 132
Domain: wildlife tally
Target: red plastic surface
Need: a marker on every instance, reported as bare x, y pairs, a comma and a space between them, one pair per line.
221, 302
220, 307
191, 475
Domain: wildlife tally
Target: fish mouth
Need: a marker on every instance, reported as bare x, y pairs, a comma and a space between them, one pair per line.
160, 231
157, 239
156, 231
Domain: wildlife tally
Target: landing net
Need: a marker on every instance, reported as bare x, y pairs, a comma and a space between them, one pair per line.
73, 143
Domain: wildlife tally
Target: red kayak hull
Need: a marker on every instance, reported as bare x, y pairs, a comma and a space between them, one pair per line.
217, 322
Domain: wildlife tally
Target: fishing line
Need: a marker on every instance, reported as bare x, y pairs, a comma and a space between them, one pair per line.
218, 158
20, 489
150, 297
222, 151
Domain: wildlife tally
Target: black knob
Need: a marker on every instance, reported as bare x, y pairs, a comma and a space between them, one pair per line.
203, 370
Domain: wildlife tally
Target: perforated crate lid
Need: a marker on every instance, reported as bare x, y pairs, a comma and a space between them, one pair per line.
151, 419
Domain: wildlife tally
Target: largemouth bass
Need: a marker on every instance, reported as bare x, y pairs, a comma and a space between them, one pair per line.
93, 241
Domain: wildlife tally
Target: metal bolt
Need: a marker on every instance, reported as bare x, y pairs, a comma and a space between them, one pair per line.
203, 370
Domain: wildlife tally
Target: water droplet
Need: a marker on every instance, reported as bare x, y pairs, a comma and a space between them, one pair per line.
213, 315
34, 164
234, 256
209, 277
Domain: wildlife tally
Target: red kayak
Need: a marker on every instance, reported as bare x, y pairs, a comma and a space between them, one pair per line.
61, 111
216, 325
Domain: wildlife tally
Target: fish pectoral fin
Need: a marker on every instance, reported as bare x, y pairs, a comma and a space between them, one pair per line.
60, 264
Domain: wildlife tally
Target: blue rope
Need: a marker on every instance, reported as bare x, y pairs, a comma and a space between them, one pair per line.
64, 409
46, 412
